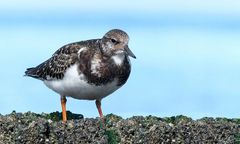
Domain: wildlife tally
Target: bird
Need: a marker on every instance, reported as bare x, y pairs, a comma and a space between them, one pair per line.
87, 70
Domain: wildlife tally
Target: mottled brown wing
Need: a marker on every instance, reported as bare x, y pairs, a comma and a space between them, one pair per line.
55, 67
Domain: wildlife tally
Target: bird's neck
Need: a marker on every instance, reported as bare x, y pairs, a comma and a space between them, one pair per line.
118, 59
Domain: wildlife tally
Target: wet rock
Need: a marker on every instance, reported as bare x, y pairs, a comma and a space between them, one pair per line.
47, 128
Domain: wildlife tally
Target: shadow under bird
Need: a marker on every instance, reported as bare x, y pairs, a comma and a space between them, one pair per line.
87, 70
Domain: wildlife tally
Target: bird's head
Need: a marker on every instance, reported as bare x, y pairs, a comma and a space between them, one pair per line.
115, 42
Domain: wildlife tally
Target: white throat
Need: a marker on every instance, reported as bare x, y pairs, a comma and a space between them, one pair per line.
118, 59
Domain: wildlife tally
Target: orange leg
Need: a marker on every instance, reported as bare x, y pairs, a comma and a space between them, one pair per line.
64, 113
98, 104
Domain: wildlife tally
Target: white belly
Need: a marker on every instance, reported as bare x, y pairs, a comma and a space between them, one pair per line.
75, 86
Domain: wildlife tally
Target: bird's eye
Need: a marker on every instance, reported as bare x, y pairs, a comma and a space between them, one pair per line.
114, 41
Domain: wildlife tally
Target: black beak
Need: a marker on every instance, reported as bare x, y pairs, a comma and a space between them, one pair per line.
129, 52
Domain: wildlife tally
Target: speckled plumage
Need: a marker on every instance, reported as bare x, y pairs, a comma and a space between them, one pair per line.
89, 70
98, 62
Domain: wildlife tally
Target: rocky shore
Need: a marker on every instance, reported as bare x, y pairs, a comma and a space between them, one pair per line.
46, 128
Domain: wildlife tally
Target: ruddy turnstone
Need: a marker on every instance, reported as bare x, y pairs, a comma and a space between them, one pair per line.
89, 70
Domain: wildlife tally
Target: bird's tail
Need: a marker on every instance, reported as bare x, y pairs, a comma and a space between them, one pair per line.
31, 72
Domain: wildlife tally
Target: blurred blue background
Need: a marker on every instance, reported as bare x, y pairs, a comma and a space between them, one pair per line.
188, 54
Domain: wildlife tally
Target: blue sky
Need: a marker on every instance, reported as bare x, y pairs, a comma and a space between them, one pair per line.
187, 54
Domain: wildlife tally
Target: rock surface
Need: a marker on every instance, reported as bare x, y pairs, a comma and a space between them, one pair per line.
46, 128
